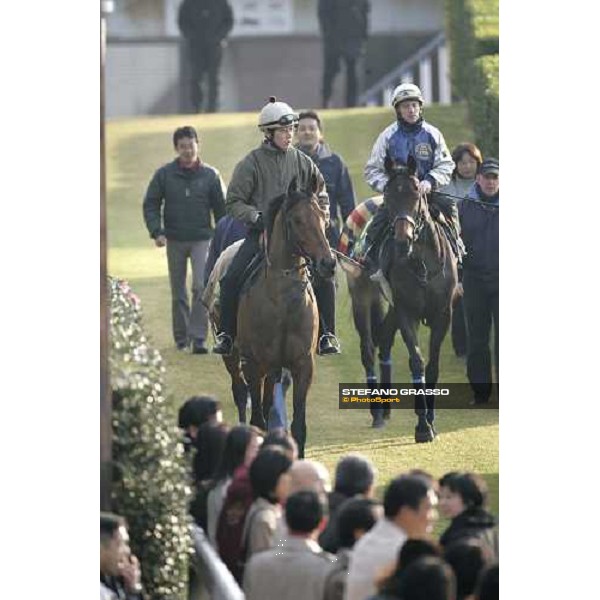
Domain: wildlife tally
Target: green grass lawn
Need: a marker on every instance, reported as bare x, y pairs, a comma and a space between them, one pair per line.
135, 148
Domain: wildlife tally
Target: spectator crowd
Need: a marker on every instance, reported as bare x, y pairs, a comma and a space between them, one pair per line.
286, 529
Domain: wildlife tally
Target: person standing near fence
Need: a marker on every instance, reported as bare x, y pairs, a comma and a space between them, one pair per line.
177, 211
205, 24
344, 26
479, 217
467, 158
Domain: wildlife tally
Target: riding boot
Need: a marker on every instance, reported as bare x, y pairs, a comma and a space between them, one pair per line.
228, 309
373, 239
325, 296
231, 284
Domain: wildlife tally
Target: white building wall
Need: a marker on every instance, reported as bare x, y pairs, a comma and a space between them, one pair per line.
143, 55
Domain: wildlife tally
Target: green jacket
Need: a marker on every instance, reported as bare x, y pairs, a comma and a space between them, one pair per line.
179, 201
266, 173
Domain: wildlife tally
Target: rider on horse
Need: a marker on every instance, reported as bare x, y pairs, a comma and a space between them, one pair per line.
263, 175
410, 135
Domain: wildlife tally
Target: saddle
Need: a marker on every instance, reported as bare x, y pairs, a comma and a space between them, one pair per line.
250, 275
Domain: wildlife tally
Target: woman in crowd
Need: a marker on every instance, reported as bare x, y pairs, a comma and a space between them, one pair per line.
210, 443
467, 158
270, 480
241, 446
463, 498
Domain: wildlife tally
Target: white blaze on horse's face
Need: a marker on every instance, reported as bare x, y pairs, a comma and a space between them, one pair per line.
409, 110
282, 137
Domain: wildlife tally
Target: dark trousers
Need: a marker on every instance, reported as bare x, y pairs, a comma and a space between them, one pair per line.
205, 62
459, 330
189, 323
481, 309
332, 59
325, 295
231, 282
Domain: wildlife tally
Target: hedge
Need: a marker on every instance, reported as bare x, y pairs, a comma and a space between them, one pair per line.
484, 104
472, 27
150, 488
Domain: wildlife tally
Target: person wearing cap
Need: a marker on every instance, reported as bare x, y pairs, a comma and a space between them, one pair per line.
479, 218
263, 175
412, 136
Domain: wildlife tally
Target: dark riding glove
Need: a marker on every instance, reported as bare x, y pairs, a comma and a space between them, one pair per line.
258, 224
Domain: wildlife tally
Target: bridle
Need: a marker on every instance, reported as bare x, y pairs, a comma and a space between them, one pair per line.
297, 250
417, 223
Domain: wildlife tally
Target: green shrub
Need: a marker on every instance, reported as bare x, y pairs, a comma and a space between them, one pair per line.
484, 104
472, 28
149, 482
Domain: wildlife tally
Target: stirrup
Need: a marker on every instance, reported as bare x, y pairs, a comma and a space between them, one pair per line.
224, 344
328, 344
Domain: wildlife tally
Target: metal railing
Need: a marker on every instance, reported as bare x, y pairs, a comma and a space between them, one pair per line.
421, 61
212, 574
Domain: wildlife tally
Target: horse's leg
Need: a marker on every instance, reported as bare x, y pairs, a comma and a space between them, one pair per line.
239, 389
409, 328
255, 385
302, 374
267, 403
361, 313
278, 413
387, 330
439, 329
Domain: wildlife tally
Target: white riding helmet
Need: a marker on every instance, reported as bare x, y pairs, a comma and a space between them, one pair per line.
407, 91
276, 114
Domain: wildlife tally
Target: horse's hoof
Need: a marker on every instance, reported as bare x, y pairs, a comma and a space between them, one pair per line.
387, 415
424, 434
378, 422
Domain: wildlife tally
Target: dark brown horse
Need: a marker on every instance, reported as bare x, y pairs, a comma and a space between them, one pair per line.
376, 327
278, 320
423, 278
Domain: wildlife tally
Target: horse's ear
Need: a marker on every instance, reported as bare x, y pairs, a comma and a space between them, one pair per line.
293, 187
411, 163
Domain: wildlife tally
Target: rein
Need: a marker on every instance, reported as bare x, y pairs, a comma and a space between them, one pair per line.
419, 224
297, 250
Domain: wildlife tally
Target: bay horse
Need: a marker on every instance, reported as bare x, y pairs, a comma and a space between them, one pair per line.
423, 278
278, 320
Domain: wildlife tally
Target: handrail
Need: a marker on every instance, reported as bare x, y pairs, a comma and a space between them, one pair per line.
218, 580
393, 77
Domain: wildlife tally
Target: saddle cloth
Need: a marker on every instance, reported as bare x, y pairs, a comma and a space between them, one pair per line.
352, 239
210, 296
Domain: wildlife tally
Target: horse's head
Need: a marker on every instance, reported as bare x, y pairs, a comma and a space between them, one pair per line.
404, 203
305, 222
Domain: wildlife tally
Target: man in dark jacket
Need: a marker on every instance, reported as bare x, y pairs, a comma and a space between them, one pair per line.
261, 176
311, 141
205, 24
344, 27
177, 212
120, 575
479, 220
